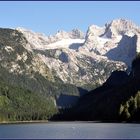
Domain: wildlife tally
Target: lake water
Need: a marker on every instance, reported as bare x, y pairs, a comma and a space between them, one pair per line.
70, 130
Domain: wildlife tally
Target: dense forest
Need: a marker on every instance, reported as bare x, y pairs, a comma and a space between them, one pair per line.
18, 104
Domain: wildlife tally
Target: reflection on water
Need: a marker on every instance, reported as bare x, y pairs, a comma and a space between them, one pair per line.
70, 130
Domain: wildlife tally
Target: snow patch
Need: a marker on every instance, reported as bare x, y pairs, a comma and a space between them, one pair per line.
102, 41
64, 43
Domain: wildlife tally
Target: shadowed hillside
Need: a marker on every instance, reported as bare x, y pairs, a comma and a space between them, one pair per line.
118, 99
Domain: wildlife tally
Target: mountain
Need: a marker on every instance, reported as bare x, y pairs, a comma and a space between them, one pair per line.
67, 63
117, 41
64, 54
118, 99
78, 60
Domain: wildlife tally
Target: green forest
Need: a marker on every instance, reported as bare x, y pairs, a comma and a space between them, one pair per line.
18, 104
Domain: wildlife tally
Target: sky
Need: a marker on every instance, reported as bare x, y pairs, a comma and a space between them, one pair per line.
48, 17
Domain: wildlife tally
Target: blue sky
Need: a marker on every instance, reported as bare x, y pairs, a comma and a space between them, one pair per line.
49, 17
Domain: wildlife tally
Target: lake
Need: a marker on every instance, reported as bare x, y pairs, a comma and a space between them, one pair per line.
70, 130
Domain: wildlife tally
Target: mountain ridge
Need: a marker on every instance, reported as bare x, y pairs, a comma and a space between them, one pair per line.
68, 60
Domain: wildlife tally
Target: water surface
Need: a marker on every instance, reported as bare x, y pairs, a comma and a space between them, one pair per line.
70, 130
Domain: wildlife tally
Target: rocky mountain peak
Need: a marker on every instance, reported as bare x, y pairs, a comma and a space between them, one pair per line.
119, 27
117, 40
95, 30
61, 34
127, 24
74, 34
77, 34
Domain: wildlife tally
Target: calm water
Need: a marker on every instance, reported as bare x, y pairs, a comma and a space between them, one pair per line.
70, 130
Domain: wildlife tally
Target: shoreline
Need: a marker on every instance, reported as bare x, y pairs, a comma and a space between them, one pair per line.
24, 122
47, 121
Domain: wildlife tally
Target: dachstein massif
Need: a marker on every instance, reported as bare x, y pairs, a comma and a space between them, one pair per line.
41, 76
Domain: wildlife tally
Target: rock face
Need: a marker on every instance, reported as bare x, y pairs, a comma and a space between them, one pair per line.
120, 27
117, 41
126, 50
43, 64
